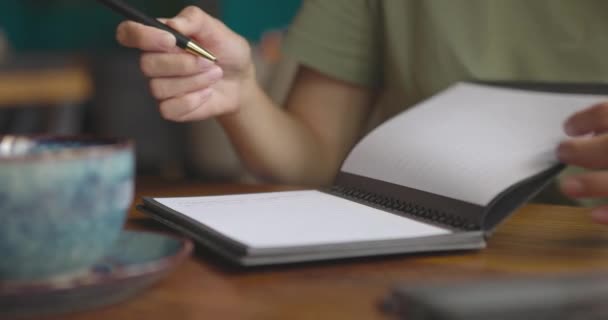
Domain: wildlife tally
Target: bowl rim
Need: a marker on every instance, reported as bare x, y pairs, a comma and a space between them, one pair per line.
101, 146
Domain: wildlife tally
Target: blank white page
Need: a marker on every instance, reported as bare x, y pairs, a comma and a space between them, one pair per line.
469, 142
296, 218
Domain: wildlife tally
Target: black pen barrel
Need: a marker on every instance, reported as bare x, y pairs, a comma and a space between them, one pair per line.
135, 15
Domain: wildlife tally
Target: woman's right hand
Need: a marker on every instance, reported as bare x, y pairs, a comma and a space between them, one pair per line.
188, 87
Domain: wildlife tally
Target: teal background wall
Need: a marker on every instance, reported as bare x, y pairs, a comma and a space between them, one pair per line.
77, 25
251, 18
68, 24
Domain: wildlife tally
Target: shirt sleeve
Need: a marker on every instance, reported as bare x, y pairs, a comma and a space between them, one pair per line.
339, 38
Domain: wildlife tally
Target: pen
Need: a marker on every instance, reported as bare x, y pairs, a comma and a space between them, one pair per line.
135, 15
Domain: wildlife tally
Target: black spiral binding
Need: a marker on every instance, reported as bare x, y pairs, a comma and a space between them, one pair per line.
409, 208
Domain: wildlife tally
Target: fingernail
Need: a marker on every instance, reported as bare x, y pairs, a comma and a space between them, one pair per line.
215, 74
572, 186
205, 94
177, 22
120, 33
570, 129
600, 215
563, 152
205, 64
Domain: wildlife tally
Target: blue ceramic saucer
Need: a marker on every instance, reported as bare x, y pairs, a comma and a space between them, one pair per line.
136, 261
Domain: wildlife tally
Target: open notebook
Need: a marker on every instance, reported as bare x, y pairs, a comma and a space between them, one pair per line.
439, 176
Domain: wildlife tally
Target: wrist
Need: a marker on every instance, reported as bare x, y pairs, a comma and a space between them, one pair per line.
248, 92
249, 89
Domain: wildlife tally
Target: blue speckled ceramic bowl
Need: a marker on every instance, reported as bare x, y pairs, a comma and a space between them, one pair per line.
136, 261
63, 203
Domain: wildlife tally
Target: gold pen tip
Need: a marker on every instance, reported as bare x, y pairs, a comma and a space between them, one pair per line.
199, 51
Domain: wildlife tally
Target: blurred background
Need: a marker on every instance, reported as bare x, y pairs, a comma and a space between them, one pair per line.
62, 72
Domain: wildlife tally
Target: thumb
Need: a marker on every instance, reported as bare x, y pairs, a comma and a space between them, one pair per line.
194, 22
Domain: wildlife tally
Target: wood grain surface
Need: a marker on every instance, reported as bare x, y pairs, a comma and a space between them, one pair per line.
537, 240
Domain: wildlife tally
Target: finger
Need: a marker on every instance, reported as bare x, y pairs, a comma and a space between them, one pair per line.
156, 64
192, 21
165, 88
588, 152
180, 108
591, 120
586, 185
600, 215
136, 35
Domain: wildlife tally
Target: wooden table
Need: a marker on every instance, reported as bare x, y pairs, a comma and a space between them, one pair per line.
538, 239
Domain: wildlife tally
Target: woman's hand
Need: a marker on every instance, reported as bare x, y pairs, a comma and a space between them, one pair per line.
588, 149
189, 87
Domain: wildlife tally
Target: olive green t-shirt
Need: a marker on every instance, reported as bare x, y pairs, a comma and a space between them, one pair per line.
411, 49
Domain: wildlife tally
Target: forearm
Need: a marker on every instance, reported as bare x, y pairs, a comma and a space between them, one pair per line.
274, 144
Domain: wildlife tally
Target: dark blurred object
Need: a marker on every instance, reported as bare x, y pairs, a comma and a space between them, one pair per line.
123, 106
544, 298
43, 94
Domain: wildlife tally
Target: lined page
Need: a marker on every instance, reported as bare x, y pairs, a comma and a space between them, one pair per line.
470, 142
296, 218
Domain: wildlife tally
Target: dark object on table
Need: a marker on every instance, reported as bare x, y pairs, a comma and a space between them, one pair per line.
557, 297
